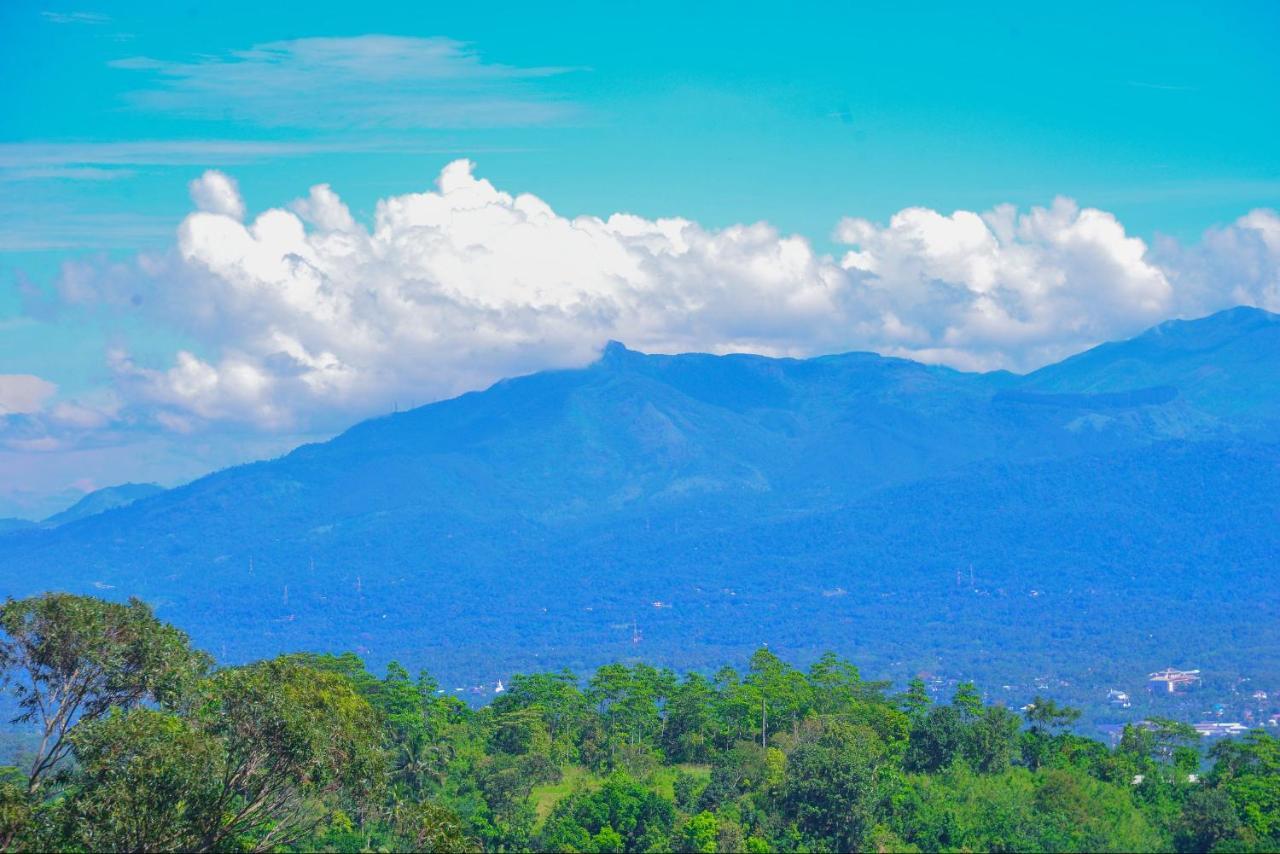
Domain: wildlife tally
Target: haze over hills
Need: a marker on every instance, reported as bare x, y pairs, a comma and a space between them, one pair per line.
92, 503
691, 507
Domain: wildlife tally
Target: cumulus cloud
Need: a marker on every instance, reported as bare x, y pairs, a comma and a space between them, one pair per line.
305, 318
1235, 265
1002, 288
214, 192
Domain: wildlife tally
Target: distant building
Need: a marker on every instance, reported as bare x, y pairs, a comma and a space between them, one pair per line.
1217, 729
1118, 698
1172, 680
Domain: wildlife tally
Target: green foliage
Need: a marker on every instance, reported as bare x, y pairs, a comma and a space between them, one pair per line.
917, 700
686, 790
1048, 722
831, 785
991, 739
700, 834
431, 827
937, 738
312, 752
1248, 770
1208, 818
72, 658
622, 815
17, 815
147, 780
967, 700
1018, 810
292, 735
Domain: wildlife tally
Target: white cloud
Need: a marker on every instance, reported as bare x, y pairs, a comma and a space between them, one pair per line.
368, 81
22, 394
215, 193
302, 318
1235, 265
1006, 289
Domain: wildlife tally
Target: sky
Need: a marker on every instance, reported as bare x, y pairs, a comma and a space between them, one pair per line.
227, 228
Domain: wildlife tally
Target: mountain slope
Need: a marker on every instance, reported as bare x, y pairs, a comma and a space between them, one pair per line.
1227, 366
535, 522
102, 500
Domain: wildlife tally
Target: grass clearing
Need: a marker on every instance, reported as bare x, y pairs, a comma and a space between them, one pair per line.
546, 796
664, 779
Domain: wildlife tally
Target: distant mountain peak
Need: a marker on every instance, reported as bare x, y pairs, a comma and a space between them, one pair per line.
1224, 362
615, 354
1230, 321
102, 500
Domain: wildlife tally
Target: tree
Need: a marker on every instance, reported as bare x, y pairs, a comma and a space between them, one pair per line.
967, 701
686, 788
1048, 716
400, 702
1048, 721
836, 684
1208, 818
690, 725
699, 834
780, 692
73, 658
917, 700
1248, 770
430, 827
991, 740
505, 787
145, 781
293, 737
554, 696
1077, 813
831, 785
743, 768
414, 762
937, 739
621, 816
16, 814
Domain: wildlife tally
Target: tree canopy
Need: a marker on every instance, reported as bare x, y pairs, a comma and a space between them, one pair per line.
149, 747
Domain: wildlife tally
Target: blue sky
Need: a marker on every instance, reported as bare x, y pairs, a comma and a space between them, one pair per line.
823, 121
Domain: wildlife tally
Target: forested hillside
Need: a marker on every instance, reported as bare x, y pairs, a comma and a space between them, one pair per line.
687, 509
147, 745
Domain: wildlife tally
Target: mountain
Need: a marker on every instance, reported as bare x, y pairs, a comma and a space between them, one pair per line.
692, 507
1223, 367
102, 500
90, 504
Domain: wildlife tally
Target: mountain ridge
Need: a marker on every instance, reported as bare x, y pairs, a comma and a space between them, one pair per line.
594, 492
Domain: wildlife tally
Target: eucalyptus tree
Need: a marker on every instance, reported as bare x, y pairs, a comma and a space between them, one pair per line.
73, 658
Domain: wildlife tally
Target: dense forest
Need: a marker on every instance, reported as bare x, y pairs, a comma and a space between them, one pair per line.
144, 744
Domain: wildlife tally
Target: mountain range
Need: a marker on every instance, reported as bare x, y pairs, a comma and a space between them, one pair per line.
92, 503
1093, 520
